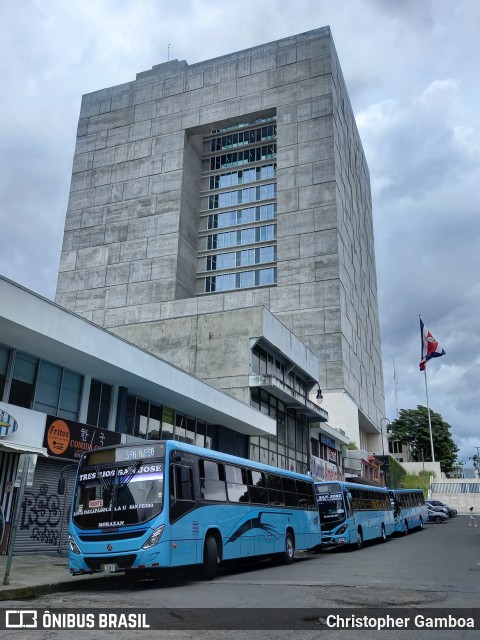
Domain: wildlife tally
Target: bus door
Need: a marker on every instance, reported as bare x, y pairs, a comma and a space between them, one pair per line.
184, 530
397, 511
351, 520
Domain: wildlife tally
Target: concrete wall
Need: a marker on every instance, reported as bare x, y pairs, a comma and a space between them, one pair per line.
460, 494
216, 347
129, 251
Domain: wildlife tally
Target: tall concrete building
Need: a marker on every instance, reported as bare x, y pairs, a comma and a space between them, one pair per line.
220, 216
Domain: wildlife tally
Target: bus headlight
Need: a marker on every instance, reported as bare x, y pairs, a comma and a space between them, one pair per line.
342, 529
154, 538
73, 544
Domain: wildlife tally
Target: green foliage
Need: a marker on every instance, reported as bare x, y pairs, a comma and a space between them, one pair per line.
417, 481
395, 473
411, 428
352, 446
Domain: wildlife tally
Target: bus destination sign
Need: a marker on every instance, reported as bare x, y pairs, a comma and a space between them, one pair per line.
131, 454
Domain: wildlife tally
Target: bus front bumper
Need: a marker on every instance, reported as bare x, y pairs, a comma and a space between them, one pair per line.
333, 541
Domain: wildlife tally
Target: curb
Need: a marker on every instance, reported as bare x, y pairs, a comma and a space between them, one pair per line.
33, 591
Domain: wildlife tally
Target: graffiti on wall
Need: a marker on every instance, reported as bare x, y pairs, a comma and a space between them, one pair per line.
41, 514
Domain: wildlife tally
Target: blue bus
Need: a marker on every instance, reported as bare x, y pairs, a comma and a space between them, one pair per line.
352, 513
409, 509
168, 504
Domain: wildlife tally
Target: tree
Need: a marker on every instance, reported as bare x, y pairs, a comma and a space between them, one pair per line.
411, 428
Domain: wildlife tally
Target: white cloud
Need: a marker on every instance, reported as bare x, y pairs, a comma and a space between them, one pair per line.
410, 68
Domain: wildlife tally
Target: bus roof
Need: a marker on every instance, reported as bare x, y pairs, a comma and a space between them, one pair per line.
353, 485
176, 445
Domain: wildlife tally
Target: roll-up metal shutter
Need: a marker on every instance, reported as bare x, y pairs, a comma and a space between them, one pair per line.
43, 516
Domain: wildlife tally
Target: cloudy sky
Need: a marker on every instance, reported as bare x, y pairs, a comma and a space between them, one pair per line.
411, 68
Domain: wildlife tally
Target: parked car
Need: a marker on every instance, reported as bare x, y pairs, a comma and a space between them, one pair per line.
451, 512
436, 508
437, 516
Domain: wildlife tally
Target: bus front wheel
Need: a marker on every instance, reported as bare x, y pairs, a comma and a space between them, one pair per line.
405, 530
210, 559
358, 544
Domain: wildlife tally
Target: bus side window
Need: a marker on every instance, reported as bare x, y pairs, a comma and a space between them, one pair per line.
306, 498
181, 492
212, 481
257, 487
181, 483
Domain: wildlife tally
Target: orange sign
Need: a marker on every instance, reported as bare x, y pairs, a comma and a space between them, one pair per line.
58, 437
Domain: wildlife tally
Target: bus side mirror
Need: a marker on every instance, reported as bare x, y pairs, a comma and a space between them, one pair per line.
61, 486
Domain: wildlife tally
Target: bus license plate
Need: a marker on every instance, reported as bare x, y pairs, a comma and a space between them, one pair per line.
109, 568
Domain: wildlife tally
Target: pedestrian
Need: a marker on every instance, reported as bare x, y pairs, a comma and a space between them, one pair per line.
472, 522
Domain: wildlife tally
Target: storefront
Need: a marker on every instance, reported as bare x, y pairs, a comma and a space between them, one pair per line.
43, 522
56, 445
21, 433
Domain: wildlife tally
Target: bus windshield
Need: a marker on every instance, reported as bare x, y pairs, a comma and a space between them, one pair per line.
115, 495
330, 505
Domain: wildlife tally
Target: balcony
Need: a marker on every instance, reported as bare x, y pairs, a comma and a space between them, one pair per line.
285, 393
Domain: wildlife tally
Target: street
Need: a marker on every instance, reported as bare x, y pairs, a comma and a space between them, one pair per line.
437, 568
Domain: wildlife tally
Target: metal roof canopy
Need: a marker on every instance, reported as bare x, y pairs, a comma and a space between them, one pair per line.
42, 328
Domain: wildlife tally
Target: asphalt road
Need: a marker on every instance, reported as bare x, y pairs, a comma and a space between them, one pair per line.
435, 570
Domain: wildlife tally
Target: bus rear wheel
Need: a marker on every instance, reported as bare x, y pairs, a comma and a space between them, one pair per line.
289, 553
383, 534
210, 559
420, 524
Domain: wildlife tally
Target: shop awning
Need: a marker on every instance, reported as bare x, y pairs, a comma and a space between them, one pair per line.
15, 447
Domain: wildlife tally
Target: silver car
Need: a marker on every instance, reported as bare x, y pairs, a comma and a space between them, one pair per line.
437, 516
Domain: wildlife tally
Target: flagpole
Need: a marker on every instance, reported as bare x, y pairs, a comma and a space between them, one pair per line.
429, 418
429, 349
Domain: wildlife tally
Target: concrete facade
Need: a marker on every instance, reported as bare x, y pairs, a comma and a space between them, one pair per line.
130, 251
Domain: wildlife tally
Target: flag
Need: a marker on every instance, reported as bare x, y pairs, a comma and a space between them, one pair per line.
430, 346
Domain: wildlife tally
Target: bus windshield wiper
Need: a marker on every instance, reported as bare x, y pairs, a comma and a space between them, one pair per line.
131, 471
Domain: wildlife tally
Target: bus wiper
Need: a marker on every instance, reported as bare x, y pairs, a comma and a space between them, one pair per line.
105, 485
131, 471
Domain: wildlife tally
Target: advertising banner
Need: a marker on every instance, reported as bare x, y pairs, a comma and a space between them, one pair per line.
67, 439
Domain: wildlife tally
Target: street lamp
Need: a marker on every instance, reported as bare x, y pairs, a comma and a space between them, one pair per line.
319, 398
381, 433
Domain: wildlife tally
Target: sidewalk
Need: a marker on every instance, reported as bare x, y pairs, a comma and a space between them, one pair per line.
34, 575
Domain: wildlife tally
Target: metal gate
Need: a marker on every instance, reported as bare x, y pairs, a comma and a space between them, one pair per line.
43, 515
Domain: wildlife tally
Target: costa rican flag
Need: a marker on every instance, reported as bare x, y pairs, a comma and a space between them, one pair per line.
430, 346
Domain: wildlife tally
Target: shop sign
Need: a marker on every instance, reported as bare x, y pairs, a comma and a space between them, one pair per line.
332, 455
323, 470
327, 441
68, 439
8, 424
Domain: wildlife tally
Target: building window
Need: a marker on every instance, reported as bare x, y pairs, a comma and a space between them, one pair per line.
46, 387
244, 218
99, 404
143, 419
241, 280
70, 395
394, 446
23, 381
288, 449
243, 176
58, 391
240, 158
4, 358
